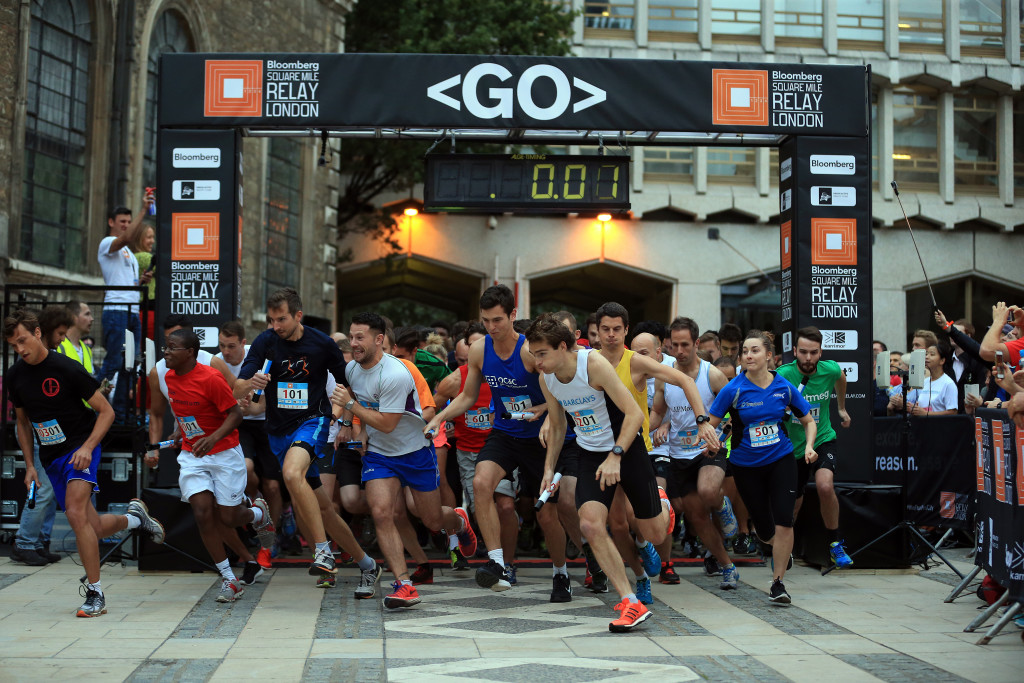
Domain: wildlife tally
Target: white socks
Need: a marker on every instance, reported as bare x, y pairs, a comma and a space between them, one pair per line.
498, 556
225, 570
133, 522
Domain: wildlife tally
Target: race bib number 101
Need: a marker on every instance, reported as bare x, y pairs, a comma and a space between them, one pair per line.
293, 395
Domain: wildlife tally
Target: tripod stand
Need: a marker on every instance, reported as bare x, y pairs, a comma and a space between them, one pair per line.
904, 525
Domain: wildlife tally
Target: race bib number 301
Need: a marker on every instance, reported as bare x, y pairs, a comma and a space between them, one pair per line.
49, 432
293, 395
764, 434
517, 404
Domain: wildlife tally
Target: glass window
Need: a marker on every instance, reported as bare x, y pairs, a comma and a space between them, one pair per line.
921, 25
284, 225
53, 201
1018, 143
981, 27
860, 21
915, 137
798, 21
738, 19
974, 141
614, 16
170, 34
731, 164
668, 163
672, 20
874, 136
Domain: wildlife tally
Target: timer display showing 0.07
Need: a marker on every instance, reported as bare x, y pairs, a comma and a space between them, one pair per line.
526, 182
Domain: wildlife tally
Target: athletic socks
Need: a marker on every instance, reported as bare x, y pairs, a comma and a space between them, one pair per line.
555, 571
498, 556
366, 563
833, 535
95, 587
632, 597
133, 523
257, 515
639, 545
224, 568
641, 575
453, 541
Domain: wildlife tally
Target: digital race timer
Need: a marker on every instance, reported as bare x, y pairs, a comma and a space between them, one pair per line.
526, 182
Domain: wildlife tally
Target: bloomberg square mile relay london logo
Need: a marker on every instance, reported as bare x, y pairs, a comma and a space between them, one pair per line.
250, 88
758, 97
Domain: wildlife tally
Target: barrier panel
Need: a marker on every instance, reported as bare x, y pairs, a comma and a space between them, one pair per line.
999, 467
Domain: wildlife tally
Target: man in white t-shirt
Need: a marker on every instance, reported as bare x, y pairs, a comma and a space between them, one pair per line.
121, 307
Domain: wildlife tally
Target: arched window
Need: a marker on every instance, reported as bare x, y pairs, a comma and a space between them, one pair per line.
53, 199
170, 34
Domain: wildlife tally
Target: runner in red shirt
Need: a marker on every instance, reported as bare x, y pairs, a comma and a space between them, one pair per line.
211, 461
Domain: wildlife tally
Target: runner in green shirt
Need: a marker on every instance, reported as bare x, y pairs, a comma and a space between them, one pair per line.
817, 379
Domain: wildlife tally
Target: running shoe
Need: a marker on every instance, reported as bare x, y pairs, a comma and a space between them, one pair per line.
424, 574
742, 544
596, 580
1019, 621
95, 603
230, 591
643, 591
263, 557
492, 575
28, 556
778, 594
571, 551
459, 561
323, 561
327, 580
771, 560
265, 521
730, 578
403, 595
342, 557
510, 569
839, 556
671, 512
727, 520
649, 556
631, 615
45, 553
467, 537
711, 566
368, 580
561, 588
252, 571
138, 509
668, 574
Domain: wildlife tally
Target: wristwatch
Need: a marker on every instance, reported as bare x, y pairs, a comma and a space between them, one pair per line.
617, 449
701, 419
351, 402
346, 423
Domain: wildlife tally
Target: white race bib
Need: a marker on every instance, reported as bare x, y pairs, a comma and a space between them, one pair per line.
586, 422
689, 437
190, 427
517, 404
49, 432
815, 413
764, 434
480, 419
371, 405
293, 395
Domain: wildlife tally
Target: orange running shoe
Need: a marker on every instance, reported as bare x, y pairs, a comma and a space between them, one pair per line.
263, 557
632, 614
404, 595
467, 537
671, 512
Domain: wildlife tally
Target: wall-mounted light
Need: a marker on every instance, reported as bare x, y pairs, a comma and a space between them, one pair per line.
411, 211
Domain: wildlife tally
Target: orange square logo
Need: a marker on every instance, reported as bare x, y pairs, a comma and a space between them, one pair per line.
195, 236
786, 245
947, 505
739, 97
834, 241
234, 87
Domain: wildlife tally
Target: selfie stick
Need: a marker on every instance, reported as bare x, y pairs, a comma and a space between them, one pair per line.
895, 189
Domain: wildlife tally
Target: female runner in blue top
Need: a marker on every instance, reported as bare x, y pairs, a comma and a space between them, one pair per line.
762, 455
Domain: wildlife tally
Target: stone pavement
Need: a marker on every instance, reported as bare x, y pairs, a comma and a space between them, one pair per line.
858, 625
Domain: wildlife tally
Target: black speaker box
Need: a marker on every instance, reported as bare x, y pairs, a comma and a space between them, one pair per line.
176, 515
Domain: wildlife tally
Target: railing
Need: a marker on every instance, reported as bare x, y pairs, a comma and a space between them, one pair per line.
676, 21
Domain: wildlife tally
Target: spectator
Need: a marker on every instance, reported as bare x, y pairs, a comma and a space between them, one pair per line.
142, 247
968, 366
74, 345
999, 339
121, 308
878, 347
938, 396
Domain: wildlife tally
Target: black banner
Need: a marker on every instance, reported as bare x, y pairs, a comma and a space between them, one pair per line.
200, 229
940, 467
501, 91
825, 249
999, 468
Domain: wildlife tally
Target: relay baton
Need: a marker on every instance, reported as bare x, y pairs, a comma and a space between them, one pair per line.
548, 491
517, 416
352, 444
158, 446
31, 501
256, 394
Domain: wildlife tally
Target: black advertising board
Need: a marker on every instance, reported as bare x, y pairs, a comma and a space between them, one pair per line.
199, 232
503, 91
825, 250
940, 467
999, 467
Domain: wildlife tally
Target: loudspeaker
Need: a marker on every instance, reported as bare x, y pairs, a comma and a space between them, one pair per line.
181, 532
866, 511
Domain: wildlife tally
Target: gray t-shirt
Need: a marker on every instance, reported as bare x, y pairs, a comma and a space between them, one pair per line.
388, 387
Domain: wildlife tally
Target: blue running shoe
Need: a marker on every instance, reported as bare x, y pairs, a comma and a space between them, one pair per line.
727, 520
643, 591
730, 578
510, 570
839, 556
652, 561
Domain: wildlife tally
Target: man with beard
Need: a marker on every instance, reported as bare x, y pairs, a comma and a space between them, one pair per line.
817, 379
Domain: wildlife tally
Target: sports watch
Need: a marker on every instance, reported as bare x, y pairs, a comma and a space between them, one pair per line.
701, 419
617, 449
